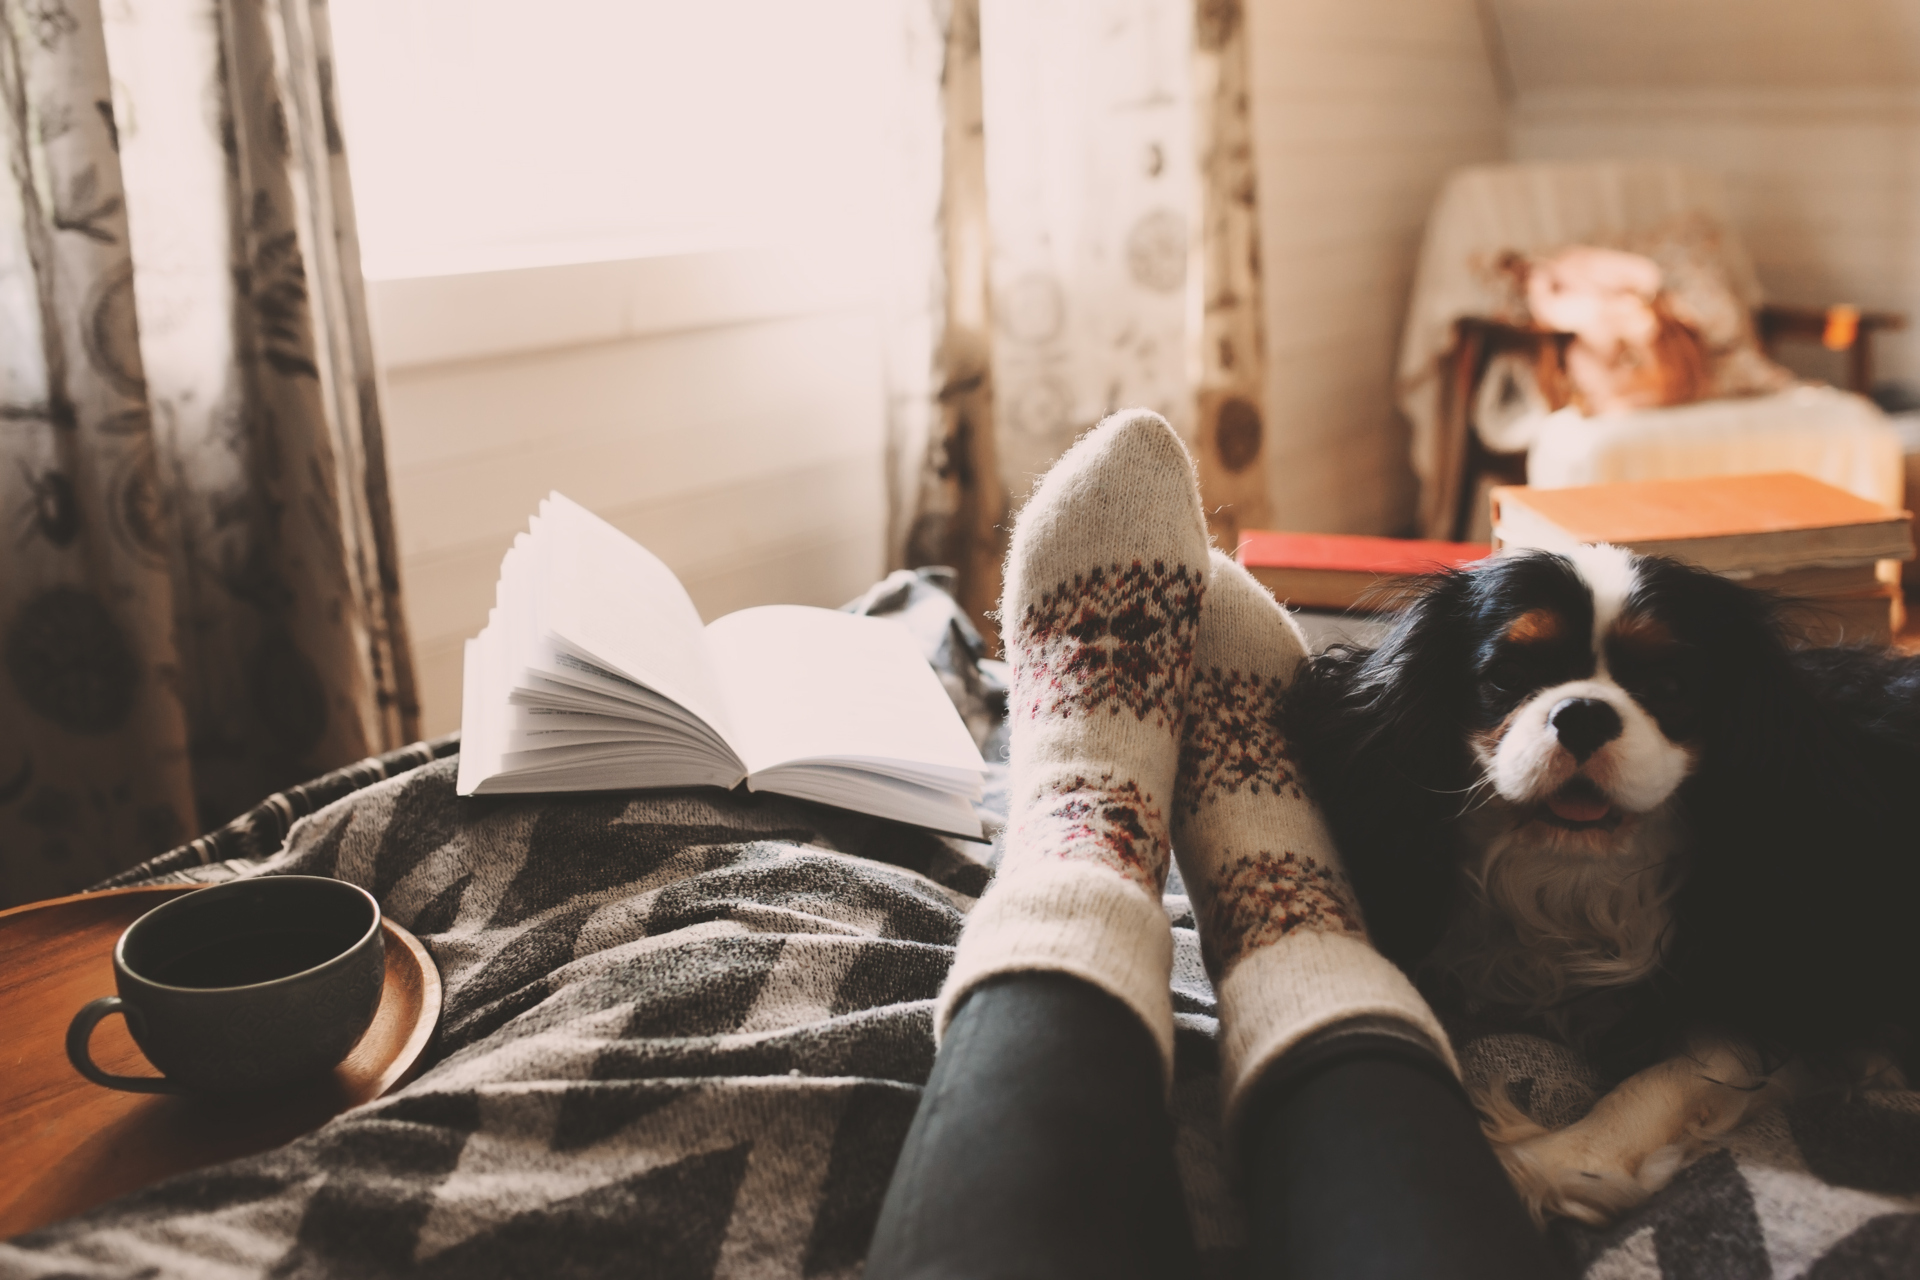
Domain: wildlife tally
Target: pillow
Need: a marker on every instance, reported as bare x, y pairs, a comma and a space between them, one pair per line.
1691, 251
1630, 349
1656, 318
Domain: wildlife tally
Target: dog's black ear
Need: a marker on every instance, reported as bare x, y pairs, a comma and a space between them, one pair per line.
1380, 736
1796, 908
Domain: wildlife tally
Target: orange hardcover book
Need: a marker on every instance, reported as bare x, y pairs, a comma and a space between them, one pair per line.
1336, 571
1737, 525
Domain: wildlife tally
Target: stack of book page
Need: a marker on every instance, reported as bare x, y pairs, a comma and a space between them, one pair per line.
594, 673
1836, 553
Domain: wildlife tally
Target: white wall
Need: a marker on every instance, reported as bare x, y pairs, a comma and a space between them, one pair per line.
1811, 112
1824, 184
1361, 108
1655, 44
724, 409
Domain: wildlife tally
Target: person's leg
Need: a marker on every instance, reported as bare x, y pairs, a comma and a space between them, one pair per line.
1367, 1161
1339, 1085
1042, 1147
1044, 1122
1280, 930
1105, 571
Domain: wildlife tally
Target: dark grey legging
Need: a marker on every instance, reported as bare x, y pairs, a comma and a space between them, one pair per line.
1042, 1149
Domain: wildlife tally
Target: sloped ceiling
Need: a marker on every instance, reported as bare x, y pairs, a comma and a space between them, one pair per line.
1706, 44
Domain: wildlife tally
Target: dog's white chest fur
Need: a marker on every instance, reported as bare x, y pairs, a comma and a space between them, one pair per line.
1547, 917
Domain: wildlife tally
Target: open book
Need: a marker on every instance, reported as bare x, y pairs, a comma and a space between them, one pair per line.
594, 673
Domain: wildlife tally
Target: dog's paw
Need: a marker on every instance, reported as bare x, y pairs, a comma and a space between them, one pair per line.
1571, 1172
1560, 1174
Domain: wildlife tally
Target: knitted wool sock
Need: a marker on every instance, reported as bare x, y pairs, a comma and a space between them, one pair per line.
1103, 584
1280, 930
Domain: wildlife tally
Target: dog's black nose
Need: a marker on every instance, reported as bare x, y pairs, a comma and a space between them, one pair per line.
1584, 725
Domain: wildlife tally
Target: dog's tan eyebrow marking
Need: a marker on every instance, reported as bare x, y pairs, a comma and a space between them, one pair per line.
1642, 632
1535, 626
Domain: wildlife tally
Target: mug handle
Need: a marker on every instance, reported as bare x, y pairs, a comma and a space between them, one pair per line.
81, 1030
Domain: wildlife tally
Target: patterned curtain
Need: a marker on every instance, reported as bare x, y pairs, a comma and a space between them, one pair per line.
958, 516
199, 601
1099, 250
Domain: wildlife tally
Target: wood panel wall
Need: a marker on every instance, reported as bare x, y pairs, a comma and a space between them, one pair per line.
1824, 183
731, 423
1361, 108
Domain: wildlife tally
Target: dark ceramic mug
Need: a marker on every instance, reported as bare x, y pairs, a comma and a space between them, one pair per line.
249, 985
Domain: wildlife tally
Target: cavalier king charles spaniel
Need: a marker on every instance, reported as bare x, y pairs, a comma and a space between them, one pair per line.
1601, 795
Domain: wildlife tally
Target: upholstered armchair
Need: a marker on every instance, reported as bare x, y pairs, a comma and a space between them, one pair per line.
1485, 383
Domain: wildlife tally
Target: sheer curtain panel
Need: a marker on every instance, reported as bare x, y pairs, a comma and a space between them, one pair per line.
198, 595
1099, 250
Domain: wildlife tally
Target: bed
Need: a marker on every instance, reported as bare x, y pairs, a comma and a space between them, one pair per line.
684, 1034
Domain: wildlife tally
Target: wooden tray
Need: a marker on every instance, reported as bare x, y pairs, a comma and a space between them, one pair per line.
70, 1144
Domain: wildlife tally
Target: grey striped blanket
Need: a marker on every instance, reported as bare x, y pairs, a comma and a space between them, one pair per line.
684, 1034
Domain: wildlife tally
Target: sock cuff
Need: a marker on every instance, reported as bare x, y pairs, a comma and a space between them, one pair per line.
1070, 917
1279, 995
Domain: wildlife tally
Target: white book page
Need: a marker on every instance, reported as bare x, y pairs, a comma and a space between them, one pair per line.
480, 746
807, 684
605, 596
881, 796
576, 602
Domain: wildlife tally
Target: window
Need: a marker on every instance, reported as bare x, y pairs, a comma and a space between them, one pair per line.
485, 135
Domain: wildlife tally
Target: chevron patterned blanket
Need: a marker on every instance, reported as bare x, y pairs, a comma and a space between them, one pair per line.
684, 1034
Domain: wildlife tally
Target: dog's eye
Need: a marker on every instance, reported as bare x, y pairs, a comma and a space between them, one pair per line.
1665, 689
1503, 677
1662, 682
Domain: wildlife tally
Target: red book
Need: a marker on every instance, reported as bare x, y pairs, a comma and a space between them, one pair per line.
1336, 570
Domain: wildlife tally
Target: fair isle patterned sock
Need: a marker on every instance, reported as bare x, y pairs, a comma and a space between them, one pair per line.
1279, 928
1103, 584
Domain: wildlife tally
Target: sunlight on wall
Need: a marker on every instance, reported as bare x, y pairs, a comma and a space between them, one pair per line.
486, 135
652, 255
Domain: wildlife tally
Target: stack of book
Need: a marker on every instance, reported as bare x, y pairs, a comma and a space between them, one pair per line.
1784, 533
1342, 571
